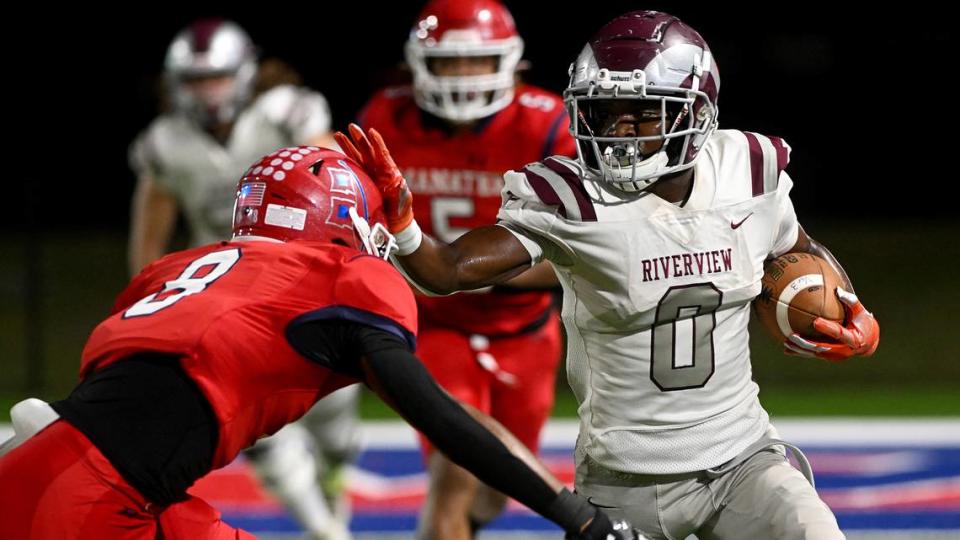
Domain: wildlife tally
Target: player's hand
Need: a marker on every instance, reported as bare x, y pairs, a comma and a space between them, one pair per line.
859, 337
372, 154
601, 528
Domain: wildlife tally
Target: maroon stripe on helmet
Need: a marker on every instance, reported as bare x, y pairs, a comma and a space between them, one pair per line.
544, 190
783, 156
587, 212
201, 32
626, 55
756, 163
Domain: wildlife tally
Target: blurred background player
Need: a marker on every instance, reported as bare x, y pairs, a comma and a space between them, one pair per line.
226, 109
208, 349
464, 122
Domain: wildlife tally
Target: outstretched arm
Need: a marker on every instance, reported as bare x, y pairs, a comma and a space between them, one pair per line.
481, 445
481, 257
468, 437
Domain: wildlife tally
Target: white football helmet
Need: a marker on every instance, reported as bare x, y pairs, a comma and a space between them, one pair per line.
205, 49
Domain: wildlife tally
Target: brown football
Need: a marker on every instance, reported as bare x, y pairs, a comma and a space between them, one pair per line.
796, 289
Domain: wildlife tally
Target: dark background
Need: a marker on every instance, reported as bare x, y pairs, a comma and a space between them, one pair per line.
866, 99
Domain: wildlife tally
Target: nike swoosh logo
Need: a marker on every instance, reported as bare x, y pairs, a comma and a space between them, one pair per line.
737, 226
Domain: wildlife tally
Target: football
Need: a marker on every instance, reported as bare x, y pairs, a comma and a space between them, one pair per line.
796, 288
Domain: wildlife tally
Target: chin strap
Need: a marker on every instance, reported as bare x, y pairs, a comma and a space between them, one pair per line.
376, 241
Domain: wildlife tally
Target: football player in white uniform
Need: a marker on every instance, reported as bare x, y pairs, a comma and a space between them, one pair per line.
658, 232
187, 160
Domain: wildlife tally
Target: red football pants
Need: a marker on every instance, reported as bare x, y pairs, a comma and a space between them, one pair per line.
58, 486
516, 388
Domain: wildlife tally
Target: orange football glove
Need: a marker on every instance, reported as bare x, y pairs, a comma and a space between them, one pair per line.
373, 156
859, 337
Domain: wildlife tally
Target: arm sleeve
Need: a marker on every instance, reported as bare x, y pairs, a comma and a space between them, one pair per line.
367, 352
454, 432
338, 340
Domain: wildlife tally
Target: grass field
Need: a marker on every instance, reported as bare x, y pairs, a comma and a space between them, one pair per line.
56, 287
779, 402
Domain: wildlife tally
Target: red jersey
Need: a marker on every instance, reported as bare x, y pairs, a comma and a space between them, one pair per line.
456, 181
224, 309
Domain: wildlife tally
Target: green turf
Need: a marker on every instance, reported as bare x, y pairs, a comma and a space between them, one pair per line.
904, 271
781, 402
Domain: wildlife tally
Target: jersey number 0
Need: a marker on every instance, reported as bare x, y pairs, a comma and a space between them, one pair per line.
682, 355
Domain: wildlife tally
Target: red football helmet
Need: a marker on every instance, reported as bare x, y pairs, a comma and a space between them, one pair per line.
311, 193
464, 28
650, 65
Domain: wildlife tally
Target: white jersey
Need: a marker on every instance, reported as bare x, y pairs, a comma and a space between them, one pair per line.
657, 299
202, 174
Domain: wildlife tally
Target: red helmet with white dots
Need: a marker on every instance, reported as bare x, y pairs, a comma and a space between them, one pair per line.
311, 193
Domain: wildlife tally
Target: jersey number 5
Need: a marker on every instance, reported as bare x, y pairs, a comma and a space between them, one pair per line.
444, 208
682, 355
194, 279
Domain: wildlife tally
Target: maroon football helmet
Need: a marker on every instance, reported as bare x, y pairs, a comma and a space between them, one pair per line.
655, 64
315, 194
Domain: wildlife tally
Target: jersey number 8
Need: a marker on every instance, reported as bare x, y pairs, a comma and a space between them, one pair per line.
194, 279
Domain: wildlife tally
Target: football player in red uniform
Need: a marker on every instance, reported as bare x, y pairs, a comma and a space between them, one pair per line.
229, 107
465, 121
209, 349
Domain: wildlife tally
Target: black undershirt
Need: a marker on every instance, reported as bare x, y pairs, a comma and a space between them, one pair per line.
149, 420
153, 424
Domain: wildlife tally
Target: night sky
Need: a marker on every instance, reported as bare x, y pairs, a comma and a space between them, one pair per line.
865, 99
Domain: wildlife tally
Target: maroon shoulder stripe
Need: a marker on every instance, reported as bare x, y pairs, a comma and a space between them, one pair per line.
783, 155
587, 212
756, 163
544, 190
